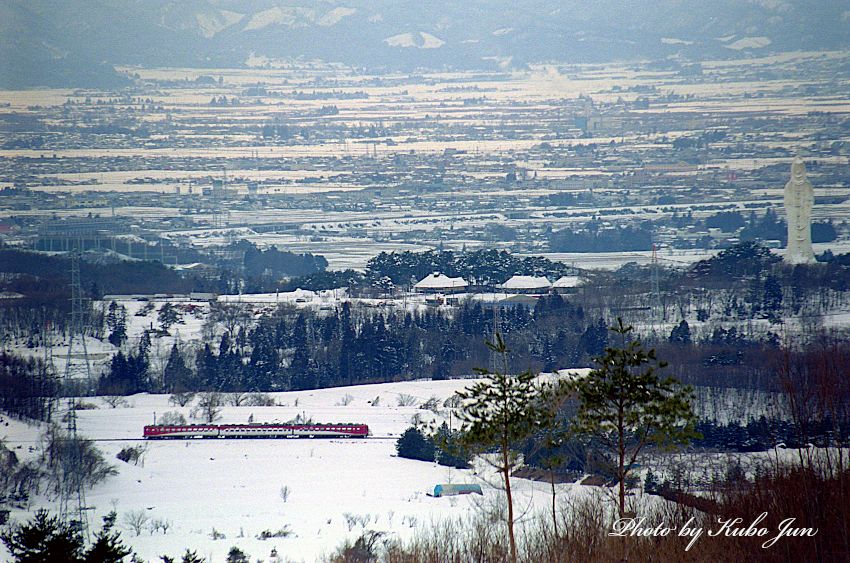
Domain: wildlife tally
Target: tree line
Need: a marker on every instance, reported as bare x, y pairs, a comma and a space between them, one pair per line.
292, 349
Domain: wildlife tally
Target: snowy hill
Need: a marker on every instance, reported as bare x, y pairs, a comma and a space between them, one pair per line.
234, 486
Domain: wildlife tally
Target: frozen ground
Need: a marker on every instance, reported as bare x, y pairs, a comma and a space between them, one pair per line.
233, 486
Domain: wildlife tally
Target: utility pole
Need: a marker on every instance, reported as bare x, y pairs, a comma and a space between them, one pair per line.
49, 365
655, 292
494, 357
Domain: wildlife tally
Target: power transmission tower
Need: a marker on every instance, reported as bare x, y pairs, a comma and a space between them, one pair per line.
72, 503
77, 365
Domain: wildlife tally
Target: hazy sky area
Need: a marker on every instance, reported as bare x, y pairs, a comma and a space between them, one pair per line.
77, 42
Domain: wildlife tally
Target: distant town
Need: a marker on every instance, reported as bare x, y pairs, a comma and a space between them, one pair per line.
557, 161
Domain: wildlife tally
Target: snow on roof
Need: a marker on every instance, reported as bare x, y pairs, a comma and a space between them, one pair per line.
439, 281
527, 282
567, 281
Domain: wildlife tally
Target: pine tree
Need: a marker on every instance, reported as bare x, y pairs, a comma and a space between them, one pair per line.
450, 452
167, 316
681, 334
627, 405
139, 366
772, 297
501, 411
46, 539
301, 373
107, 546
206, 364
347, 346
230, 367
116, 322
176, 376
263, 365
236, 555
413, 444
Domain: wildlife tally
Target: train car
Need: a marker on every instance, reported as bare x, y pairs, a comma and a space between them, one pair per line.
162, 432
255, 431
330, 430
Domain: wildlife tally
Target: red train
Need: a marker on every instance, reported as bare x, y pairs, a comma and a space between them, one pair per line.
163, 432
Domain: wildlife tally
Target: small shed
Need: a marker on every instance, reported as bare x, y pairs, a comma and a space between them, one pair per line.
452, 489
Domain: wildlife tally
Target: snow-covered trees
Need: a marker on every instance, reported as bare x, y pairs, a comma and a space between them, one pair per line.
209, 407
46, 538
27, 387
168, 315
128, 374
116, 322
172, 418
176, 376
89, 469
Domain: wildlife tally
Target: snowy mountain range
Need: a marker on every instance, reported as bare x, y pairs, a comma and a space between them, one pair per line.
75, 42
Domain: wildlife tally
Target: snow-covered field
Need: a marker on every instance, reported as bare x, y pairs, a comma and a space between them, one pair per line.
234, 486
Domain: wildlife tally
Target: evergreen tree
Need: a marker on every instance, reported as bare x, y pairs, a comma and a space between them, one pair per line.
450, 451
771, 297
302, 374
413, 444
116, 322
176, 376
139, 366
627, 405
127, 374
595, 338
501, 411
264, 362
387, 362
107, 546
114, 382
346, 346
229, 367
681, 333
144, 344
236, 555
206, 364
46, 539
167, 316
26, 387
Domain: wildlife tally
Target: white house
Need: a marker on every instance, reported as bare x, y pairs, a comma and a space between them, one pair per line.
440, 283
567, 284
527, 284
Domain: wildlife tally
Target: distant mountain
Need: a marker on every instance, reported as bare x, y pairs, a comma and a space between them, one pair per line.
76, 42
